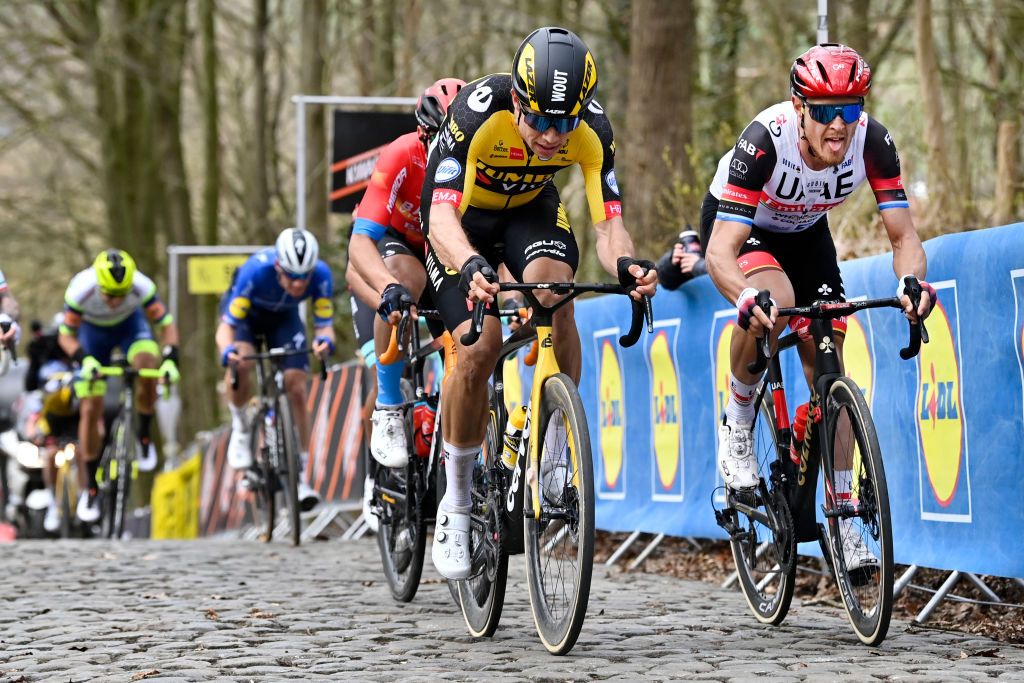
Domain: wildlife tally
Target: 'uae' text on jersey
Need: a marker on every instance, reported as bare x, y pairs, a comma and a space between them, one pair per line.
763, 180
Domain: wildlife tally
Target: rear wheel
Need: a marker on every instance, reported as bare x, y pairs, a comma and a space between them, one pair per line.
289, 466
402, 529
857, 510
265, 490
560, 544
762, 535
482, 595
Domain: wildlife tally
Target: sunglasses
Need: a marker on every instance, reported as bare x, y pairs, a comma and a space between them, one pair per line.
295, 276
826, 113
541, 123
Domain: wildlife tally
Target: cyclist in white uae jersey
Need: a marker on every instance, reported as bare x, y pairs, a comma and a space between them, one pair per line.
764, 221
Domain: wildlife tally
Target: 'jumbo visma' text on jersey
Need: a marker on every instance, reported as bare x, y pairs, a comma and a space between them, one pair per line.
763, 180
83, 302
479, 159
256, 287
392, 198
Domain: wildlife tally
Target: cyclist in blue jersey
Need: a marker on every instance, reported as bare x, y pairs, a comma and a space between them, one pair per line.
264, 300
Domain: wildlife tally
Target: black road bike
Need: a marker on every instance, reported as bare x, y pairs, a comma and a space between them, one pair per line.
275, 441
544, 504
766, 523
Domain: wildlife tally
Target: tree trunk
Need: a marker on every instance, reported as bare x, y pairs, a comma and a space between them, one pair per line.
313, 76
260, 193
941, 189
211, 129
1008, 175
724, 59
659, 115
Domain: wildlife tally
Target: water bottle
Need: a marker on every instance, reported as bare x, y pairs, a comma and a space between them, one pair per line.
423, 416
513, 435
799, 431
690, 242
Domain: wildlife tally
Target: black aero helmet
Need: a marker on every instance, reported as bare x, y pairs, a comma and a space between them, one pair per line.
553, 73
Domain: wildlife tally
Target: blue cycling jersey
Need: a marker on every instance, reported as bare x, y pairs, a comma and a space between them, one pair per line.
256, 288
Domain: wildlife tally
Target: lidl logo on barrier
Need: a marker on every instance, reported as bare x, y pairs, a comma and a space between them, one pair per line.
941, 423
859, 356
1017, 278
721, 341
611, 479
666, 425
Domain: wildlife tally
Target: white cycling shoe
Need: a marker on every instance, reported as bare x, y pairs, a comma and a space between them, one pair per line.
147, 457
240, 449
736, 461
51, 520
387, 443
309, 498
856, 554
450, 550
369, 516
88, 509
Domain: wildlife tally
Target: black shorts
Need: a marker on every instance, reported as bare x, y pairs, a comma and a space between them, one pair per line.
394, 243
515, 237
808, 258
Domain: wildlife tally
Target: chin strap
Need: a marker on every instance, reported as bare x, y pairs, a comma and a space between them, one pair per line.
810, 149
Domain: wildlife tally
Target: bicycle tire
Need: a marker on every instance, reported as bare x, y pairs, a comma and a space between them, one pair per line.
559, 627
402, 532
763, 537
106, 490
265, 490
125, 446
866, 590
481, 597
66, 511
290, 462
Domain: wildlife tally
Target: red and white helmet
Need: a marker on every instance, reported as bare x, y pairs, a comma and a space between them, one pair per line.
433, 103
830, 70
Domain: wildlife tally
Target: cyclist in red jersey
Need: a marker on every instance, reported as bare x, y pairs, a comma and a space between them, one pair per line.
387, 252
765, 225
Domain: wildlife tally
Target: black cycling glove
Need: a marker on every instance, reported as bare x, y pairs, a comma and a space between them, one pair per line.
473, 265
395, 297
627, 279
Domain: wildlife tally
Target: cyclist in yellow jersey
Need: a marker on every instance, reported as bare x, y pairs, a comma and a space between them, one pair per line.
489, 198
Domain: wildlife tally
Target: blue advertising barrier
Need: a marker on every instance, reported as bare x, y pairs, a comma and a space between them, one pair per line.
949, 422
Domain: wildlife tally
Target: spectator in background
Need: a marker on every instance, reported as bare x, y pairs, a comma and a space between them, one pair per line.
683, 262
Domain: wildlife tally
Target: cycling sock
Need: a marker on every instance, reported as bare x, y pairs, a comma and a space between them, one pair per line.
145, 427
303, 465
237, 417
459, 465
389, 383
740, 408
91, 468
844, 482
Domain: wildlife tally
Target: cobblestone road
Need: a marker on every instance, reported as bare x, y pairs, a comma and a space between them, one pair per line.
240, 611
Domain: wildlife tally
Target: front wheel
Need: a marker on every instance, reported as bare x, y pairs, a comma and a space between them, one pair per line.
761, 532
288, 466
857, 510
560, 544
402, 529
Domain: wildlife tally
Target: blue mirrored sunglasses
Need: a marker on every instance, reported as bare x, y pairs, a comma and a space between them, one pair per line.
541, 123
826, 113
296, 276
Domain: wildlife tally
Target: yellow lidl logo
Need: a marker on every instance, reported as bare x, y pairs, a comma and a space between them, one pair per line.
239, 307
940, 416
858, 358
323, 308
666, 427
611, 416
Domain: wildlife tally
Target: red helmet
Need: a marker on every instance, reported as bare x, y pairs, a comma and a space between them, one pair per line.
830, 70
433, 103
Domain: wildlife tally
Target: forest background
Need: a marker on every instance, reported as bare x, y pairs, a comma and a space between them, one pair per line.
145, 123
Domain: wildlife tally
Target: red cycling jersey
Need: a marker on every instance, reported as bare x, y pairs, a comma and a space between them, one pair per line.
392, 198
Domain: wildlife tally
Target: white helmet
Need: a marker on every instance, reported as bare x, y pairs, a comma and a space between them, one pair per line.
297, 250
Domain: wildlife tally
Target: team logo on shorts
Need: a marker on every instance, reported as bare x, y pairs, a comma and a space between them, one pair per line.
446, 170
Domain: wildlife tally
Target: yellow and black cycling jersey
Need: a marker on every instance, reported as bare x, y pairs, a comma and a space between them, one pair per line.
479, 159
